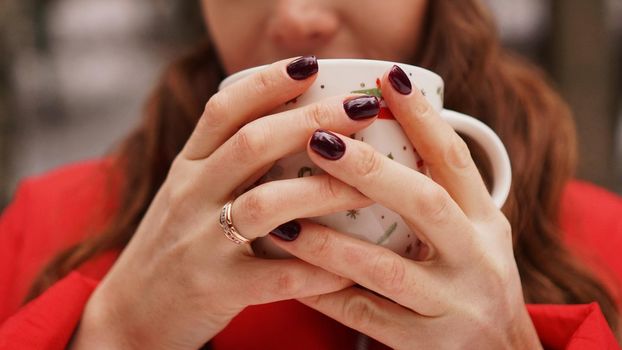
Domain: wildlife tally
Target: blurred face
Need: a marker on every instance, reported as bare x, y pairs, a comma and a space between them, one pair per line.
254, 32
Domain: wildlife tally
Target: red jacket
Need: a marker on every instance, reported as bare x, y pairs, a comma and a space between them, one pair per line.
52, 211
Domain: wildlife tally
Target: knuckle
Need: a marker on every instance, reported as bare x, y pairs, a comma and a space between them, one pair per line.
368, 164
178, 163
389, 272
214, 114
317, 114
176, 196
433, 203
359, 312
423, 110
177, 200
249, 143
254, 207
321, 245
180, 171
505, 228
179, 209
264, 81
498, 274
458, 153
287, 284
330, 188
498, 223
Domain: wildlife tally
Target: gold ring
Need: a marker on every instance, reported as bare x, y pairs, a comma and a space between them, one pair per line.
228, 228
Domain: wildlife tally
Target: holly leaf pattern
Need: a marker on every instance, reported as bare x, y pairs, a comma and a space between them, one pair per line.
304, 170
372, 92
387, 233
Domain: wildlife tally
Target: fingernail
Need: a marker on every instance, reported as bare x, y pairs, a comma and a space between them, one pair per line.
327, 144
289, 231
360, 108
302, 68
399, 80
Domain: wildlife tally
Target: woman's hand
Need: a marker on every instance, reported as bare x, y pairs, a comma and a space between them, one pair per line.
466, 292
180, 280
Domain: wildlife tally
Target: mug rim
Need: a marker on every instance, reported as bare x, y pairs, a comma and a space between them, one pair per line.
231, 79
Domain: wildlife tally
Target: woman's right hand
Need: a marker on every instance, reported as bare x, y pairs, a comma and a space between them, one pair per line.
180, 281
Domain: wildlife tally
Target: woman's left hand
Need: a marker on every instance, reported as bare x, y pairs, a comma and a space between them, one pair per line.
466, 291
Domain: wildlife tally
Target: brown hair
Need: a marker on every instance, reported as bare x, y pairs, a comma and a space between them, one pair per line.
481, 79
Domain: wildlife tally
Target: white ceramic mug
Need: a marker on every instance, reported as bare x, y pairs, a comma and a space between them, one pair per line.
376, 223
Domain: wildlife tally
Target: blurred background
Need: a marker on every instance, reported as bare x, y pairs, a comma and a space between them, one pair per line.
74, 74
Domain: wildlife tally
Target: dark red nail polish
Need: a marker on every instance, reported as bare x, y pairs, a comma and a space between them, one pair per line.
327, 144
363, 107
302, 68
399, 80
289, 231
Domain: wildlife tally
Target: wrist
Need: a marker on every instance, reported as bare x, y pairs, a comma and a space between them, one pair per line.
523, 333
102, 326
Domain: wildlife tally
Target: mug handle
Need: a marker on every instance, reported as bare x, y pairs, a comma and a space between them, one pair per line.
492, 145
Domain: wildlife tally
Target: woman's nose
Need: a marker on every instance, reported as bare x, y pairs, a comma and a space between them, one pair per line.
302, 26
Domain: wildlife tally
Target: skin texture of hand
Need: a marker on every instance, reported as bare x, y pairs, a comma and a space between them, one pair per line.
466, 293
180, 281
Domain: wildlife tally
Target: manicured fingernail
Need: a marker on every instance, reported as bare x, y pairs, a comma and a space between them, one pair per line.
363, 107
327, 144
302, 68
399, 80
289, 231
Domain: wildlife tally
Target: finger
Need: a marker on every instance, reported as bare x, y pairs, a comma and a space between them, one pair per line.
426, 207
443, 150
268, 139
265, 281
249, 98
260, 210
374, 267
379, 318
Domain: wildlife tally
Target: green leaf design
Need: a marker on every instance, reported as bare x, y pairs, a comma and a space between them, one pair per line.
372, 92
387, 233
304, 170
